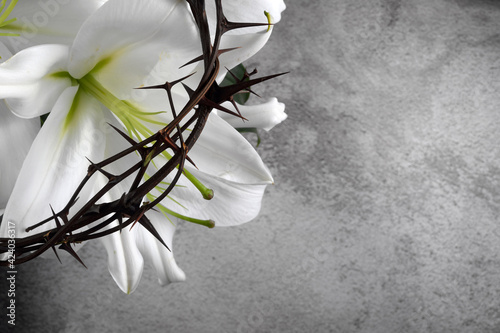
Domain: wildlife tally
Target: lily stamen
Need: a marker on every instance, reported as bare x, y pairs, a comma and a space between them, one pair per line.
3, 18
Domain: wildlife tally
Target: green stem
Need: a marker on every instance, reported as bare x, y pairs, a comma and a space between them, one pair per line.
207, 223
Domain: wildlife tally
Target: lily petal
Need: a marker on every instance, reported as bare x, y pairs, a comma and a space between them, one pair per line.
247, 12
248, 41
233, 203
262, 116
16, 137
47, 22
13, 131
229, 166
56, 162
125, 262
163, 260
243, 48
31, 81
246, 45
117, 25
223, 152
155, 59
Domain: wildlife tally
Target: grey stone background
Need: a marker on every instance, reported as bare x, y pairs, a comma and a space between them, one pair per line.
384, 216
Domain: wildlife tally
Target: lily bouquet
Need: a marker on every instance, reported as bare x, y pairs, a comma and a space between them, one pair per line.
116, 124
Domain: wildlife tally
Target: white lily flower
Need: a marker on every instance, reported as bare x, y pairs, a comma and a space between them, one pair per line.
127, 44
28, 23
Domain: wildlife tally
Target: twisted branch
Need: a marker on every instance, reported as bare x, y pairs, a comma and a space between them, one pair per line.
130, 208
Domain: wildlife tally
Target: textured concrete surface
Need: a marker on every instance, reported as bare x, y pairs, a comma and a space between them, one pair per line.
385, 213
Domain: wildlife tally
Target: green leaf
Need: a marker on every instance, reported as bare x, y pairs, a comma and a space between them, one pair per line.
43, 118
250, 130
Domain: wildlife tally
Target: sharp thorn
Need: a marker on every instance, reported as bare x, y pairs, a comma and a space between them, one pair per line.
66, 247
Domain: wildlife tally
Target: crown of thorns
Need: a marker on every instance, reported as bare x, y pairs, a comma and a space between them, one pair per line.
73, 227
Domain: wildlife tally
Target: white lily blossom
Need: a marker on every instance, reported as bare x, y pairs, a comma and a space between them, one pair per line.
123, 45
